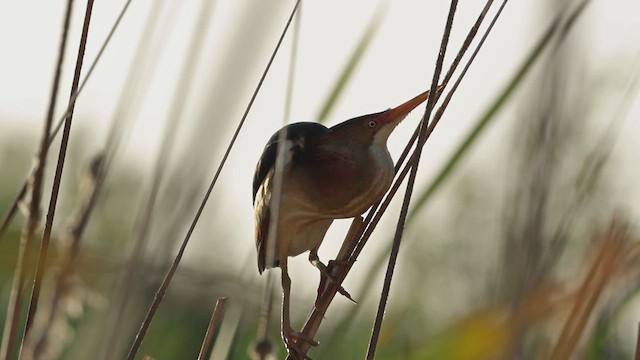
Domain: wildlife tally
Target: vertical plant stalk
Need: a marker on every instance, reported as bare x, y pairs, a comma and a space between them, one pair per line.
13, 209
293, 59
215, 318
378, 209
375, 213
227, 332
174, 266
92, 67
8, 218
422, 138
36, 180
263, 345
44, 246
486, 118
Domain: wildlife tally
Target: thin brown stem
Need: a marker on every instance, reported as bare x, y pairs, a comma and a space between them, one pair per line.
263, 347
13, 210
373, 221
375, 213
15, 300
213, 324
44, 246
69, 109
422, 138
8, 218
160, 293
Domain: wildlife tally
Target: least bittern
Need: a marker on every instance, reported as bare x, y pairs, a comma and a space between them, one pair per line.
327, 173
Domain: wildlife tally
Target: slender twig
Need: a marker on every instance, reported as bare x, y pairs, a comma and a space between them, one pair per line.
215, 317
454, 65
317, 315
429, 131
263, 346
23, 190
15, 300
44, 246
69, 109
174, 266
13, 209
293, 59
422, 138
375, 214
228, 333
404, 210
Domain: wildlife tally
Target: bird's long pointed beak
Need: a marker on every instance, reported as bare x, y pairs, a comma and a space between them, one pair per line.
401, 111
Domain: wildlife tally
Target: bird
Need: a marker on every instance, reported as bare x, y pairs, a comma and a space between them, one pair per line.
326, 174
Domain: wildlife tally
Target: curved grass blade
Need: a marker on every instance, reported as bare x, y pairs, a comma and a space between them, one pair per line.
352, 65
490, 115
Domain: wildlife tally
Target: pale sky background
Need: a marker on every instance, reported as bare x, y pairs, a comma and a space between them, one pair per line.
396, 67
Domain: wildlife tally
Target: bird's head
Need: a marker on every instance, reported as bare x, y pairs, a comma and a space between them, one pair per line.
373, 129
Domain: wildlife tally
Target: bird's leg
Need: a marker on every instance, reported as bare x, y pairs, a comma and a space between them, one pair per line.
326, 276
291, 338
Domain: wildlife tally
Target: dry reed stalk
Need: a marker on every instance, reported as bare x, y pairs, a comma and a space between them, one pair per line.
375, 213
422, 138
36, 180
263, 347
215, 318
8, 218
174, 266
44, 246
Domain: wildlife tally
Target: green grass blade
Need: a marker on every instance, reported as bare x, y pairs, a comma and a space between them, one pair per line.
484, 120
506, 93
349, 69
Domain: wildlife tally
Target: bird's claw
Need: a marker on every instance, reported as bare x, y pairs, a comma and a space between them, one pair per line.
291, 340
327, 277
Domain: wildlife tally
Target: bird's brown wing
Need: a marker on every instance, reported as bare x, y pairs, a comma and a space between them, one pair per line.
298, 134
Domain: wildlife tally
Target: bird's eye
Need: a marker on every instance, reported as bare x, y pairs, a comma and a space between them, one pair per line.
372, 124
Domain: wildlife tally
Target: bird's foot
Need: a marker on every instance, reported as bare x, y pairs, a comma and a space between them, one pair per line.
327, 276
292, 339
